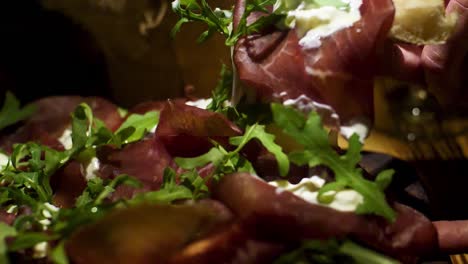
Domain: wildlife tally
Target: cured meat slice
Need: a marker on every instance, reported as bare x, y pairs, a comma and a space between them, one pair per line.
275, 214
186, 130
339, 73
144, 160
146, 233
231, 245
52, 118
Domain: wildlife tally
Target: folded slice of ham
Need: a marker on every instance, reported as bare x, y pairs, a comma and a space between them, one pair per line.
339, 73
145, 160
281, 215
53, 116
186, 130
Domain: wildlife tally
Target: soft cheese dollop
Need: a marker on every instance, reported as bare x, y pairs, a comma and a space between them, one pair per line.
92, 169
201, 103
312, 23
4, 159
307, 189
66, 139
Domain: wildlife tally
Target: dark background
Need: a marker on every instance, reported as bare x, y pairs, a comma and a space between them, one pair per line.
72, 48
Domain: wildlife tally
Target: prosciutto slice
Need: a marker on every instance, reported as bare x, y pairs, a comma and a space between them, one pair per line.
144, 160
186, 130
230, 245
146, 233
339, 73
287, 217
53, 116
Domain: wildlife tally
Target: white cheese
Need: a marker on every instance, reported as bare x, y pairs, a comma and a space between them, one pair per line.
92, 169
153, 129
305, 104
66, 139
307, 189
359, 128
4, 159
40, 250
201, 103
313, 24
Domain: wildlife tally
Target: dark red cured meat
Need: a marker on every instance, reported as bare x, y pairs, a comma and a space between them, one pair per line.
53, 117
6, 217
230, 245
145, 107
286, 216
186, 130
340, 73
146, 233
144, 160
68, 183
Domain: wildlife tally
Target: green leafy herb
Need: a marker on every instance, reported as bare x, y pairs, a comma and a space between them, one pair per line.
141, 124
58, 254
29, 240
222, 92
220, 21
268, 141
331, 252
5, 231
283, 6
200, 11
169, 192
99, 189
310, 133
226, 162
12, 113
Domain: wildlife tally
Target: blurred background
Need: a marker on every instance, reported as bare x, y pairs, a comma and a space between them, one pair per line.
119, 49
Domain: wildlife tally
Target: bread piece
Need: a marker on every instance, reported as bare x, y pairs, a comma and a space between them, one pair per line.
422, 22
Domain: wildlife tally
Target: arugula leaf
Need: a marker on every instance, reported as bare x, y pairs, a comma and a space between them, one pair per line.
268, 141
226, 162
283, 6
5, 231
223, 90
364, 255
195, 183
220, 21
11, 112
192, 10
82, 122
59, 255
99, 189
335, 3
141, 124
168, 193
214, 155
333, 251
29, 239
317, 151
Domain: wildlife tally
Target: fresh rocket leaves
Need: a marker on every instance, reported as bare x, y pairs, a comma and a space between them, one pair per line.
199, 11
5, 231
170, 191
283, 6
268, 141
226, 162
333, 251
221, 21
310, 133
12, 113
139, 125
222, 93
98, 189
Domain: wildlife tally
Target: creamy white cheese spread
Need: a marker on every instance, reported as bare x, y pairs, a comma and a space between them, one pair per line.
308, 188
314, 23
66, 139
201, 103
